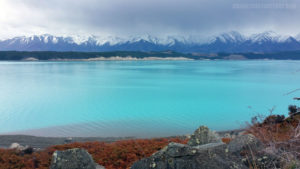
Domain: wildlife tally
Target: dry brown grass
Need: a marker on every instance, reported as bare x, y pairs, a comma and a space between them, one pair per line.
117, 155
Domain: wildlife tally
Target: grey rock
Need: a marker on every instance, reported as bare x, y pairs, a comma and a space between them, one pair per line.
27, 150
16, 146
177, 150
255, 153
100, 167
68, 140
209, 145
207, 156
231, 133
21, 149
203, 136
73, 159
179, 156
242, 142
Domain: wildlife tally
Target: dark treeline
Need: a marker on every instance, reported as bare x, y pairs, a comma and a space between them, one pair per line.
48, 55
288, 55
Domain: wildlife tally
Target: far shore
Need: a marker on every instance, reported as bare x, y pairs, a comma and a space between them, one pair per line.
44, 142
140, 55
114, 58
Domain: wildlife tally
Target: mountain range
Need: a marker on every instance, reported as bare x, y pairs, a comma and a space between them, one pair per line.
230, 42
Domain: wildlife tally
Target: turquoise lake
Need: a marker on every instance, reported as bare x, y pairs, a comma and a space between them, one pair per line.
141, 98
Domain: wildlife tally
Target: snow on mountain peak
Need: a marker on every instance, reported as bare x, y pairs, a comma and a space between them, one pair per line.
229, 37
268, 36
231, 41
297, 37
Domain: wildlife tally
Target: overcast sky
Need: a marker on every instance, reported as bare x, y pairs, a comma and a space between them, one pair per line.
153, 17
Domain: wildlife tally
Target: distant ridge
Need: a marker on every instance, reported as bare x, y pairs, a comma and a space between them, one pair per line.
231, 42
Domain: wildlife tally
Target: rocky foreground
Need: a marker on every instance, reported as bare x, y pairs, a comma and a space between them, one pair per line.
204, 150
271, 142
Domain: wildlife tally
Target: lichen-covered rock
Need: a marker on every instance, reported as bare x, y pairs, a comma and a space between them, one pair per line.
177, 150
73, 159
253, 152
217, 155
245, 142
179, 156
203, 136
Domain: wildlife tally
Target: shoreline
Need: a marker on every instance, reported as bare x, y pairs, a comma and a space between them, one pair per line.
42, 142
140, 59
118, 58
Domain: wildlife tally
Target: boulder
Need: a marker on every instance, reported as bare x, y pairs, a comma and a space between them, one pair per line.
16, 146
21, 149
216, 155
73, 159
68, 140
203, 136
245, 142
27, 150
179, 156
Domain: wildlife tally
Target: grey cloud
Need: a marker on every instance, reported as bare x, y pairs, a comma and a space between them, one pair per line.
157, 17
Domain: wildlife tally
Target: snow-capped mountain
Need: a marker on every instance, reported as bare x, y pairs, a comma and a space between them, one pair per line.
297, 37
226, 42
230, 37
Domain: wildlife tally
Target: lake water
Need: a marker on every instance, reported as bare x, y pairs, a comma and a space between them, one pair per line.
140, 98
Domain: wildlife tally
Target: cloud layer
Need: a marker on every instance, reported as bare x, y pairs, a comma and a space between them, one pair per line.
154, 17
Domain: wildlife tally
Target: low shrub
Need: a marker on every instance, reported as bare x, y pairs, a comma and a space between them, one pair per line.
116, 155
226, 140
280, 135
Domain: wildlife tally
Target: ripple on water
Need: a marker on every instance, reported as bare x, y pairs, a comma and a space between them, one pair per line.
149, 98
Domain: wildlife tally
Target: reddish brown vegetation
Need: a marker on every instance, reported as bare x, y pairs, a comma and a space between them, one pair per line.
275, 128
281, 136
226, 140
117, 155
